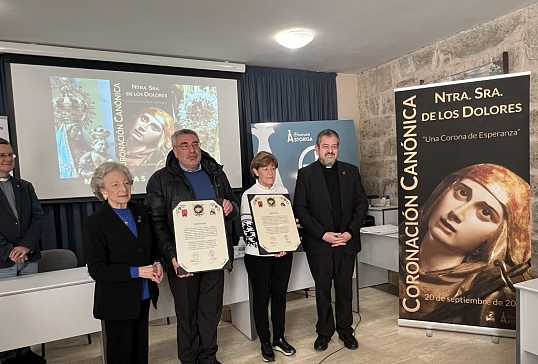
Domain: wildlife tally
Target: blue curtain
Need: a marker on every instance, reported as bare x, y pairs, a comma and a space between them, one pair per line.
272, 94
3, 85
280, 95
267, 94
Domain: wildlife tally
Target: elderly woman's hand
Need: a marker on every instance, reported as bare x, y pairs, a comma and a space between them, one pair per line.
149, 272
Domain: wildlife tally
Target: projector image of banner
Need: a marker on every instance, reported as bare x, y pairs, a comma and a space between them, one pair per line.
293, 145
99, 120
81, 118
463, 175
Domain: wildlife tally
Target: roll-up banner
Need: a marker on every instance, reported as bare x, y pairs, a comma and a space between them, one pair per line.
293, 143
463, 196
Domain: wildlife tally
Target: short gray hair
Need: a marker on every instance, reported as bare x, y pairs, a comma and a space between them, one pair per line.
98, 179
327, 133
181, 132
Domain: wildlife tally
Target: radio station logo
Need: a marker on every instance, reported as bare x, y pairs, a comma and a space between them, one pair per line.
294, 137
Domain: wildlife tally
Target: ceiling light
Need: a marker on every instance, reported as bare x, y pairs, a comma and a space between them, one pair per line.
294, 38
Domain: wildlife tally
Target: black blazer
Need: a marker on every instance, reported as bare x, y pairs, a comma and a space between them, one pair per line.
111, 249
312, 206
24, 231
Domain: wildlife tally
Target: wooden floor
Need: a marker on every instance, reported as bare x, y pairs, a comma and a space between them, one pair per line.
381, 340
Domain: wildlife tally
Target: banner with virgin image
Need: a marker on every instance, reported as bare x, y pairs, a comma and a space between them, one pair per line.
464, 201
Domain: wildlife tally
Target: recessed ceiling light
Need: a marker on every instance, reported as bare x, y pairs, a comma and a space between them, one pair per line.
294, 38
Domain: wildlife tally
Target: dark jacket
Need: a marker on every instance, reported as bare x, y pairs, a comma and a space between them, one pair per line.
24, 231
312, 206
111, 249
169, 186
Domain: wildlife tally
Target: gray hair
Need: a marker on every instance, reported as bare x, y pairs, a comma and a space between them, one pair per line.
327, 133
98, 179
181, 132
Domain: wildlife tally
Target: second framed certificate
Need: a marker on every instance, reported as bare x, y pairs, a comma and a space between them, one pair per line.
274, 223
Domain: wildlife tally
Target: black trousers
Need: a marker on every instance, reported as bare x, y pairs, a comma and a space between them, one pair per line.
334, 267
127, 340
198, 304
269, 277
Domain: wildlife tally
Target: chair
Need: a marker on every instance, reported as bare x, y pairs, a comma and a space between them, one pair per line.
57, 259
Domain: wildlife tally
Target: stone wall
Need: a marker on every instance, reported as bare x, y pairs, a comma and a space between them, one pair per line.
515, 33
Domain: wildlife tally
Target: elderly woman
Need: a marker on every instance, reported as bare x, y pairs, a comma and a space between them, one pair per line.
269, 274
149, 138
121, 256
474, 243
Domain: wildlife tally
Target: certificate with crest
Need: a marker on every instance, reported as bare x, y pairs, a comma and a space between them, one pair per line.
200, 236
274, 223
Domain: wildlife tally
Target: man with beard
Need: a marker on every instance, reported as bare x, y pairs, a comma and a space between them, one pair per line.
331, 204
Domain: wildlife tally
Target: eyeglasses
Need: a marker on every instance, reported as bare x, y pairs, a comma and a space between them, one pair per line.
187, 146
8, 155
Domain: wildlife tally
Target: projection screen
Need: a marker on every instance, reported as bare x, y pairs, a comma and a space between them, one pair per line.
69, 120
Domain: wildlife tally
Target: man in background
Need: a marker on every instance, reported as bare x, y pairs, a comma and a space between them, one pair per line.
191, 174
331, 204
21, 225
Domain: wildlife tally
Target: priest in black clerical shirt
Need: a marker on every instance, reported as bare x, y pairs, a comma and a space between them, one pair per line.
331, 205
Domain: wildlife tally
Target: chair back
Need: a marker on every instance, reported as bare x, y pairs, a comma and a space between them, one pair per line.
57, 259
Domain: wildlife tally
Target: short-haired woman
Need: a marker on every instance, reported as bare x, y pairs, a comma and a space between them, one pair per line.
269, 274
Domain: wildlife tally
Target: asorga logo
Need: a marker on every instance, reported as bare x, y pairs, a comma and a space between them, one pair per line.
298, 137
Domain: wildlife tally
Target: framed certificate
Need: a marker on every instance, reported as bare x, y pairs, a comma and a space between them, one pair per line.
274, 223
200, 234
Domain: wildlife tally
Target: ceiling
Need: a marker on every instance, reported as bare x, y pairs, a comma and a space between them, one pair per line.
351, 35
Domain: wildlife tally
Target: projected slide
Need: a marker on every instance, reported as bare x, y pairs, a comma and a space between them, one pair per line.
80, 118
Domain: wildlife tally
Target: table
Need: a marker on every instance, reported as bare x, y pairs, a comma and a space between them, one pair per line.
51, 306
379, 254
44, 307
384, 215
527, 322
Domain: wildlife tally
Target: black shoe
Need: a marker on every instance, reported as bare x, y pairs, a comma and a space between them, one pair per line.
284, 347
349, 341
30, 358
267, 352
322, 343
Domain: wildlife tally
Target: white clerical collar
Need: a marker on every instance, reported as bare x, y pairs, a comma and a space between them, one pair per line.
323, 165
4, 179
